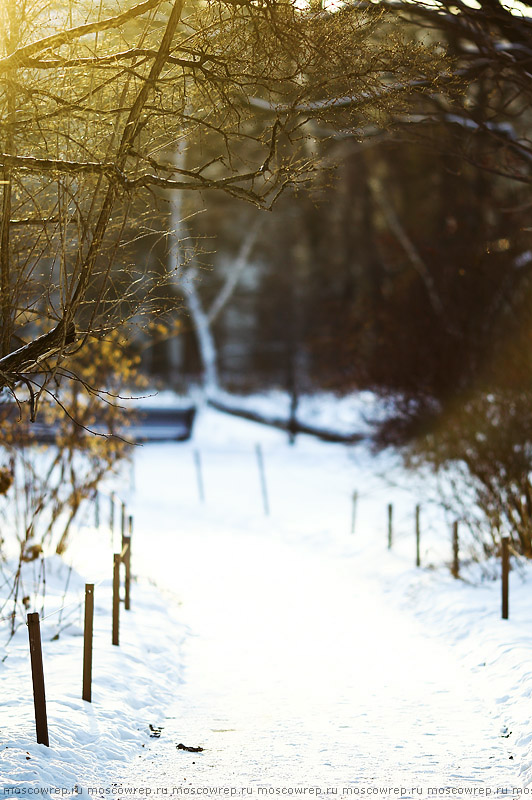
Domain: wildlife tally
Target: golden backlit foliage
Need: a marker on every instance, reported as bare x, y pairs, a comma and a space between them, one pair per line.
87, 423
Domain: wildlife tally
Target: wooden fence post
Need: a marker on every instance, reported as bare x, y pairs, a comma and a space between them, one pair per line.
117, 559
123, 520
418, 538
112, 513
455, 569
37, 674
87, 642
354, 511
505, 552
126, 550
128, 564
390, 525
262, 474
199, 476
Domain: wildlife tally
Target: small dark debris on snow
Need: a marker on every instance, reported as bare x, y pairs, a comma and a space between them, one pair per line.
155, 731
190, 749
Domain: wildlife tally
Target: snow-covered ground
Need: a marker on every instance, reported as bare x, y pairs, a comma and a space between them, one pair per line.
343, 415
86, 739
296, 651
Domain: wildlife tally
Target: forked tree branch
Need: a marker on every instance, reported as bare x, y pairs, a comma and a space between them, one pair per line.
20, 57
27, 357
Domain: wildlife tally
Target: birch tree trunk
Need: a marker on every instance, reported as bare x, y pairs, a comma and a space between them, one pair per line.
185, 276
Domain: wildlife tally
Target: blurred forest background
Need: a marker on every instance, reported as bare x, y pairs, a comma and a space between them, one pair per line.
403, 266
397, 258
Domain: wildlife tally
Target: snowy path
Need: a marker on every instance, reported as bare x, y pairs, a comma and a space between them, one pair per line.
298, 670
294, 676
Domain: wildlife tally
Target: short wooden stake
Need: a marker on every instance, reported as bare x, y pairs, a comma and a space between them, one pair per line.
87, 642
390, 526
262, 475
116, 596
418, 538
354, 511
505, 552
127, 564
455, 569
199, 476
37, 674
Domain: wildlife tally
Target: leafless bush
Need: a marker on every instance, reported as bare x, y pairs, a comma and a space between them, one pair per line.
484, 447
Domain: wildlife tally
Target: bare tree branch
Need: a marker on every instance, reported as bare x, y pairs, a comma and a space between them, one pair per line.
22, 55
26, 358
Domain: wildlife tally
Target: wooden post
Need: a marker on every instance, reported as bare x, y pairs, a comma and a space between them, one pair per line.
354, 511
390, 525
505, 575
87, 642
127, 564
199, 475
123, 521
127, 603
262, 475
37, 674
116, 596
112, 514
418, 538
455, 569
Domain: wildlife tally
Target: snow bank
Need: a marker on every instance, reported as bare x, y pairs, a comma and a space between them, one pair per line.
349, 415
466, 614
131, 684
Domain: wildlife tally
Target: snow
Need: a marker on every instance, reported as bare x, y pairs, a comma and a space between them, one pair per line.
344, 415
295, 652
86, 739
323, 411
